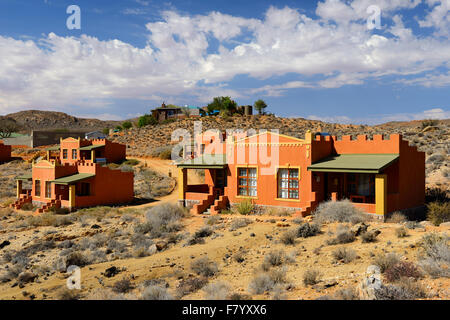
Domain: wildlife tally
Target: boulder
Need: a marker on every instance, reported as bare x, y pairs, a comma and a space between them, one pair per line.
370, 284
359, 228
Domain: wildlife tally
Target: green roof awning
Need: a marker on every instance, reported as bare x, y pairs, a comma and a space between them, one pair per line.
55, 148
358, 163
26, 176
206, 161
73, 178
92, 147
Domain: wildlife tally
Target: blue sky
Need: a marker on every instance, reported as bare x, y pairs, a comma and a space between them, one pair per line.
311, 59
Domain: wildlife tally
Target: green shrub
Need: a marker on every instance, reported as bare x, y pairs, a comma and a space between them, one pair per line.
308, 230
401, 232
261, 283
146, 120
343, 254
205, 267
343, 235
429, 123
438, 212
288, 237
245, 207
127, 125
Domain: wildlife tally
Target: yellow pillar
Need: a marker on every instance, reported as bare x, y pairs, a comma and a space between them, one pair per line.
19, 188
308, 136
48, 155
381, 194
71, 196
182, 182
93, 155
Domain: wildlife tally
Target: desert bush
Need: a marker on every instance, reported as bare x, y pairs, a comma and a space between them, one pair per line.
156, 292
435, 269
397, 217
67, 294
438, 212
261, 283
278, 292
161, 220
402, 269
205, 267
77, 258
288, 237
274, 258
346, 294
203, 232
239, 223
412, 225
429, 123
278, 275
406, 289
435, 246
190, 285
245, 207
344, 254
311, 277
338, 211
436, 195
239, 256
213, 220
343, 235
122, 286
370, 236
401, 232
386, 261
217, 291
306, 230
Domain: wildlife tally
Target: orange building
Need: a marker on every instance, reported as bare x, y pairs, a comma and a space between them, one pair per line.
5, 152
378, 175
74, 175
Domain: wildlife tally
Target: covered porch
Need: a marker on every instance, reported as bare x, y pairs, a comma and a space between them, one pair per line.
204, 195
69, 189
361, 178
94, 153
23, 186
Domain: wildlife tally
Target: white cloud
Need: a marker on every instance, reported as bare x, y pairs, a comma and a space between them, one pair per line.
56, 72
435, 113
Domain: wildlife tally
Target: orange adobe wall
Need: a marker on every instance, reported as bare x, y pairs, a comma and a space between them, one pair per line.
5, 152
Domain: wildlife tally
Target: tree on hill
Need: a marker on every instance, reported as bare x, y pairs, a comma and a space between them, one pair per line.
146, 119
223, 105
127, 125
260, 105
7, 127
105, 131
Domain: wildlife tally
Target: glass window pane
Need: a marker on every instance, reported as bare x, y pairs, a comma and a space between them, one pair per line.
293, 194
242, 191
284, 183
284, 194
252, 192
242, 182
293, 184
284, 173
252, 172
252, 182
293, 173
242, 172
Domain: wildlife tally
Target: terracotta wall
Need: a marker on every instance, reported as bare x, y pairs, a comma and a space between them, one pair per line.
297, 154
108, 186
114, 152
5, 152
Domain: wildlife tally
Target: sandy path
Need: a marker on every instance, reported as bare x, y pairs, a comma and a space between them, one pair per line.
165, 167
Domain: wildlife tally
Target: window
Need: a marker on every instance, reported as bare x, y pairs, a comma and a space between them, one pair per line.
48, 189
85, 189
64, 153
37, 188
288, 185
74, 153
247, 182
361, 184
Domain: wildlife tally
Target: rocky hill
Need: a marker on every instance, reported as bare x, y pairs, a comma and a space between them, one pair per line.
47, 120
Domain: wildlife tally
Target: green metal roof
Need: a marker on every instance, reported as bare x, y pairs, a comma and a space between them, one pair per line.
93, 146
26, 176
73, 178
359, 163
55, 148
208, 161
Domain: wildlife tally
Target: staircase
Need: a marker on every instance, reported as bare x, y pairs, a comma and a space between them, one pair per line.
48, 206
24, 198
310, 206
218, 205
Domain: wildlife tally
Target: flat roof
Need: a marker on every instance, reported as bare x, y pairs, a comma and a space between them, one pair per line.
358, 163
26, 176
73, 178
55, 148
92, 147
207, 161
